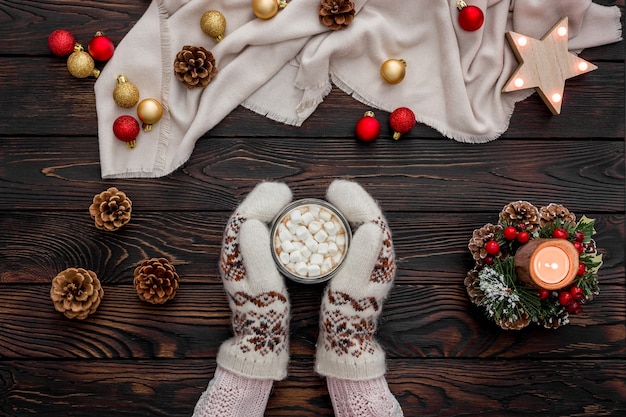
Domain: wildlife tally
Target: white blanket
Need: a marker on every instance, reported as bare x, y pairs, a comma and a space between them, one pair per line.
283, 67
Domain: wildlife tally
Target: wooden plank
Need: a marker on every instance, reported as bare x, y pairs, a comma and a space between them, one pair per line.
411, 175
423, 388
431, 321
429, 248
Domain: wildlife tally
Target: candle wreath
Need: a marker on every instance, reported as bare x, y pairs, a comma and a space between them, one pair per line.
524, 269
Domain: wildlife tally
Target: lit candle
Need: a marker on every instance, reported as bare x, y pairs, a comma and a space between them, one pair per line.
547, 263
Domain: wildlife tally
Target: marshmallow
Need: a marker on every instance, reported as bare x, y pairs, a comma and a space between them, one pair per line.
307, 218
314, 227
331, 228
296, 216
321, 236
314, 270
311, 244
316, 259
302, 233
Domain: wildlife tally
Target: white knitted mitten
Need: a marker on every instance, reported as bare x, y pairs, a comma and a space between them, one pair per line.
353, 299
256, 291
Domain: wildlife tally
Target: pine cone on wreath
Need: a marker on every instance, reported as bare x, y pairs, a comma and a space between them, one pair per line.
518, 324
336, 14
76, 292
156, 281
195, 66
481, 236
555, 211
521, 211
476, 295
111, 209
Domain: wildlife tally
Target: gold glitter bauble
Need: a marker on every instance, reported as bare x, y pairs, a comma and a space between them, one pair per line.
393, 70
213, 23
149, 112
266, 9
125, 94
80, 64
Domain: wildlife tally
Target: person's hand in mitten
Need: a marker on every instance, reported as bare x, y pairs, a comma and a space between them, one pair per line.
347, 353
258, 353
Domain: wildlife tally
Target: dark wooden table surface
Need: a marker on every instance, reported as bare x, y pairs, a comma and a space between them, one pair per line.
444, 357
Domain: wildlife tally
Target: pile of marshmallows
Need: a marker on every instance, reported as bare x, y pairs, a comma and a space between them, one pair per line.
310, 240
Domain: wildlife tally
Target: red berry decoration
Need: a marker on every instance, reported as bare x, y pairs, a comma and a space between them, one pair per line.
543, 294
565, 298
523, 237
401, 120
367, 128
61, 42
580, 236
559, 233
509, 233
492, 247
579, 247
574, 308
577, 293
101, 48
581, 269
489, 260
126, 129
471, 18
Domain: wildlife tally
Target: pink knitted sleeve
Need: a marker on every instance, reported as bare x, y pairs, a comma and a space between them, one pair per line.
366, 398
231, 395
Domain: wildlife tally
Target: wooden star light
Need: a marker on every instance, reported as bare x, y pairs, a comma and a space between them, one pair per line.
545, 64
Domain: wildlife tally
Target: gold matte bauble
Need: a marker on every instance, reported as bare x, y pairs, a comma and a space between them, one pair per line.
266, 9
213, 23
393, 70
80, 64
125, 94
149, 112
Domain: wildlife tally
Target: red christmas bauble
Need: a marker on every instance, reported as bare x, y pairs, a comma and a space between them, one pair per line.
471, 18
61, 42
401, 121
367, 128
101, 48
126, 129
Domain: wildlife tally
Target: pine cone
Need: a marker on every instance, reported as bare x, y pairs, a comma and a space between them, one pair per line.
476, 295
110, 209
156, 281
195, 66
518, 324
76, 293
554, 322
555, 211
336, 14
521, 212
479, 237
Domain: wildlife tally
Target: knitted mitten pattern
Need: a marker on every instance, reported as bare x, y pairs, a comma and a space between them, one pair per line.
353, 300
256, 291
231, 395
366, 398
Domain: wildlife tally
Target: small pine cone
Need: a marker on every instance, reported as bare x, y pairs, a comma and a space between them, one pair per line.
195, 66
156, 281
554, 322
555, 211
76, 292
481, 236
111, 209
590, 247
518, 324
471, 284
336, 14
521, 212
